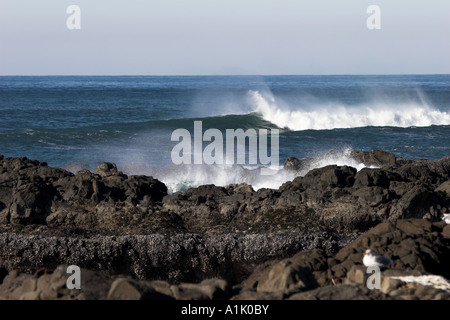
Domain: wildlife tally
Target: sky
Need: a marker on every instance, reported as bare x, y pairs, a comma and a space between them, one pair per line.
217, 37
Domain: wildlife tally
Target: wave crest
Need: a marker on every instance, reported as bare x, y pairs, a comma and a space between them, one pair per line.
336, 115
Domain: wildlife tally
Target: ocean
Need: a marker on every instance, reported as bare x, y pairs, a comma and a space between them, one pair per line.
76, 122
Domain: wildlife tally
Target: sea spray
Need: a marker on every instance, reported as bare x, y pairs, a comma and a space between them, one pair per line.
328, 115
184, 176
234, 154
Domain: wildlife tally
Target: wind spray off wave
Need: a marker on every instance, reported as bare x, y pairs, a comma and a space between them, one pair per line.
332, 115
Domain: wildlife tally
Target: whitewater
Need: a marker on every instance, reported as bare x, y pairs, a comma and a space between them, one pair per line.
335, 115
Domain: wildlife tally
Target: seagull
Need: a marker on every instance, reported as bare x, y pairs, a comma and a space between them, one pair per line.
446, 217
371, 259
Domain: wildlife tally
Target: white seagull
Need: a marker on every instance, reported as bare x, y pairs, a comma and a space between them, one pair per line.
372, 259
446, 217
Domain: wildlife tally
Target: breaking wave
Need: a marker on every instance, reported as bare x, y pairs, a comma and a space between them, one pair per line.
333, 115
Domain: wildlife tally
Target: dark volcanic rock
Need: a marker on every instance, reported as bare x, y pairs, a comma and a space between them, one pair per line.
294, 164
180, 257
419, 248
330, 176
287, 277
373, 177
332, 197
27, 190
341, 292
415, 244
109, 222
375, 158
33, 193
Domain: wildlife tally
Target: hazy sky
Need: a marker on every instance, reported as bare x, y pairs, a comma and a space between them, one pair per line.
172, 37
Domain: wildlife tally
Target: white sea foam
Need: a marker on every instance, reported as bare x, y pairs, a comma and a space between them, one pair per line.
181, 177
435, 281
340, 158
331, 115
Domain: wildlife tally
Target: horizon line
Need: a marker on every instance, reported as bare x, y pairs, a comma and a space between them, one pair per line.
216, 75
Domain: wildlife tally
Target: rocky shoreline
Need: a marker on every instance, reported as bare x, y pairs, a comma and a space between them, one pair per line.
304, 240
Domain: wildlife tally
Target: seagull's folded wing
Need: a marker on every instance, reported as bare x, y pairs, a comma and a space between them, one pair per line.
382, 260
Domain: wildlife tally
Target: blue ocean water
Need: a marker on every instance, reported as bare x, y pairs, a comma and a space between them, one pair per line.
79, 121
